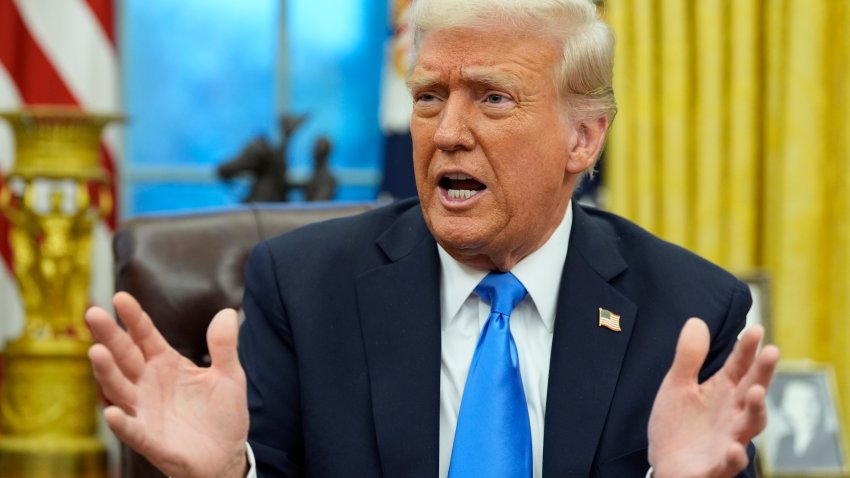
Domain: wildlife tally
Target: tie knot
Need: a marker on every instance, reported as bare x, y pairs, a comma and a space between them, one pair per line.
502, 290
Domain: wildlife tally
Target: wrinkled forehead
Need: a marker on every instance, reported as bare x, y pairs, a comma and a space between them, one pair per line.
501, 56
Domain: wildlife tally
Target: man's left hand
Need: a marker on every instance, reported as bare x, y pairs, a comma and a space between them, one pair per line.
702, 430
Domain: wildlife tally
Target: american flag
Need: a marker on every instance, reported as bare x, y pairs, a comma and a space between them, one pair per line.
58, 52
609, 320
396, 105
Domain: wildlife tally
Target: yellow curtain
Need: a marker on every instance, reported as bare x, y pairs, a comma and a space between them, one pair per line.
733, 140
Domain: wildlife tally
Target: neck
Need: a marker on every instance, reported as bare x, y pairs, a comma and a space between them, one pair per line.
505, 258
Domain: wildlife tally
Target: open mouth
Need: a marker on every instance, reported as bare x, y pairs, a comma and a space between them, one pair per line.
461, 186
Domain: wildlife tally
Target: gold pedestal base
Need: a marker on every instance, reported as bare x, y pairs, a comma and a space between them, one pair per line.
48, 412
52, 458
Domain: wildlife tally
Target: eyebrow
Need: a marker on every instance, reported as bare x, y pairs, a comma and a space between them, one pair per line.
478, 75
491, 77
421, 81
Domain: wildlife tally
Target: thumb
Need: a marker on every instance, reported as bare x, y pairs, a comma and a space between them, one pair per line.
691, 351
222, 337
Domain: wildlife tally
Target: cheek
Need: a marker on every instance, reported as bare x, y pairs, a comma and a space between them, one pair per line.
422, 135
421, 157
532, 170
421, 164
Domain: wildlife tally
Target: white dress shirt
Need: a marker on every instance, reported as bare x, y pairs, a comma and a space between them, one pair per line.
462, 317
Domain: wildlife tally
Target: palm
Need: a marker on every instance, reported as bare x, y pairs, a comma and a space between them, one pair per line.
701, 430
706, 418
183, 406
188, 421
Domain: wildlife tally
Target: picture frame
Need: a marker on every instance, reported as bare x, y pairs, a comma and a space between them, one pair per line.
804, 435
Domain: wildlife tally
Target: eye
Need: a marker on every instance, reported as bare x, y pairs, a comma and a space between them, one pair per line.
497, 99
426, 97
427, 104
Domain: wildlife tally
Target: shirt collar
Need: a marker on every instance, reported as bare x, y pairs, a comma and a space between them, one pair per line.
540, 273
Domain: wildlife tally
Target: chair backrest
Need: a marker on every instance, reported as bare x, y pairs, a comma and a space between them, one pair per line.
183, 268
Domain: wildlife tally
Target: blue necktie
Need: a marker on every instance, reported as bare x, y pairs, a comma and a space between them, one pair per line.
493, 436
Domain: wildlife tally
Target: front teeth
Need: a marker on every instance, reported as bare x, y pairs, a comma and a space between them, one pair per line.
461, 193
458, 176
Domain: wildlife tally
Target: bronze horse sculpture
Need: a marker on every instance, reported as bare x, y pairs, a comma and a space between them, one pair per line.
265, 164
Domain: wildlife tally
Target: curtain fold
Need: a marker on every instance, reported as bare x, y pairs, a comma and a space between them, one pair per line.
732, 140
676, 147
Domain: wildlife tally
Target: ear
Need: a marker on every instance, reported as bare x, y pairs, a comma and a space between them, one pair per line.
586, 140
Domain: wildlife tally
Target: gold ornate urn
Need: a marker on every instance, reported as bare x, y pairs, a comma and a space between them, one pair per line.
53, 196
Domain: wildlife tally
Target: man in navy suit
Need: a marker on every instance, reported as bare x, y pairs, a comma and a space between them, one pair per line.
360, 331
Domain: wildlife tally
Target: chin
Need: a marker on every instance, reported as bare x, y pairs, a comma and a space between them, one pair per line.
458, 233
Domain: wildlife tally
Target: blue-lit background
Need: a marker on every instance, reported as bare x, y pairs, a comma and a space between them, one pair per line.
201, 80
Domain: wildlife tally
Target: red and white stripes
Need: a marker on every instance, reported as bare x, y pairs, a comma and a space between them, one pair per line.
58, 53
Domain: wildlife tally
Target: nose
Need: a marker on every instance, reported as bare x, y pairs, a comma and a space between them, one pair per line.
453, 131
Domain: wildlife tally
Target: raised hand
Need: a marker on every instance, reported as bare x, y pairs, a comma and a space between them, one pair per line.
187, 420
702, 430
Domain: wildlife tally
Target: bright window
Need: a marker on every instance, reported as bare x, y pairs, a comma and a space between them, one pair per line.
201, 81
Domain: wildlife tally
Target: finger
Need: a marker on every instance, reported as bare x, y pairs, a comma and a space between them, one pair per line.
754, 417
736, 458
139, 325
105, 330
765, 366
743, 354
691, 351
759, 373
222, 338
115, 386
124, 427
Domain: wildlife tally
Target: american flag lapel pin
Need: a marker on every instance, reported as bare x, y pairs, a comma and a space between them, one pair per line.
609, 320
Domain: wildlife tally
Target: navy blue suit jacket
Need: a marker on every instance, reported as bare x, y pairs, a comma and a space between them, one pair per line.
341, 345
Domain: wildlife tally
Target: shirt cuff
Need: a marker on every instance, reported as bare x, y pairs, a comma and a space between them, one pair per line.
252, 463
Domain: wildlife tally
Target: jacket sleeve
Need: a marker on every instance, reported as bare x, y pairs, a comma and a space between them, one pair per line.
722, 343
266, 350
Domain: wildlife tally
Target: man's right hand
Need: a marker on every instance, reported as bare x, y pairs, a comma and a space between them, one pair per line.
187, 420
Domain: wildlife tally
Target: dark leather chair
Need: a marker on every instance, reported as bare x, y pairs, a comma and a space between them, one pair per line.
183, 268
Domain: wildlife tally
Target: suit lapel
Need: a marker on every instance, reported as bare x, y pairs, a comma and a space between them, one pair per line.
399, 306
586, 358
